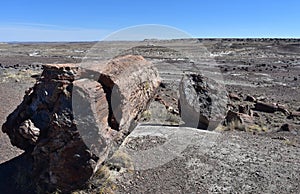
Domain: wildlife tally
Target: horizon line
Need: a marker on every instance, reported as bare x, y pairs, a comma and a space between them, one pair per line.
154, 39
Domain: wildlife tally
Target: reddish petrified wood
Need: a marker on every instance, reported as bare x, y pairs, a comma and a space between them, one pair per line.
73, 117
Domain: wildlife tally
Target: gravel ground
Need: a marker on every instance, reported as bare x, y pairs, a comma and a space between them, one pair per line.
231, 162
223, 162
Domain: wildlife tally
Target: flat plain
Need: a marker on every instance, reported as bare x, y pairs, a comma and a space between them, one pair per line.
263, 157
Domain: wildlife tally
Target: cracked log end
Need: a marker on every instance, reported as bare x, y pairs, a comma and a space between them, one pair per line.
70, 123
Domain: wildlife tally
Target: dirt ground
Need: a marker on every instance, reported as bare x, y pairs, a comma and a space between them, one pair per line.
263, 160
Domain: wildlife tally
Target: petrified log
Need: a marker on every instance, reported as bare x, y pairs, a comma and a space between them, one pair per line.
202, 102
295, 114
70, 123
265, 107
128, 85
270, 108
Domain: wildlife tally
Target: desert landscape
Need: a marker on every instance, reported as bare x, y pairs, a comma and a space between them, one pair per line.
243, 93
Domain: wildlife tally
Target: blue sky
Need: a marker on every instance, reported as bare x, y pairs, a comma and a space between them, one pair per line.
65, 20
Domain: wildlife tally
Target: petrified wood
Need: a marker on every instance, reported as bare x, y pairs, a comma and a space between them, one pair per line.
74, 117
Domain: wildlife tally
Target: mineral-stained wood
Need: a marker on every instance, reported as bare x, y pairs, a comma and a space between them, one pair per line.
130, 81
70, 123
202, 102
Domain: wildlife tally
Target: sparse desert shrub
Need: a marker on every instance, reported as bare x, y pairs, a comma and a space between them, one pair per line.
256, 128
173, 119
236, 125
146, 115
289, 143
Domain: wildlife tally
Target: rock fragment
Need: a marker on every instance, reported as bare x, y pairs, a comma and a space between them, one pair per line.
265, 107
237, 120
250, 98
295, 114
285, 127
234, 96
270, 108
202, 102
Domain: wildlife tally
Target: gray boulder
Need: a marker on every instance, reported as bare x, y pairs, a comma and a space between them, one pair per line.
203, 101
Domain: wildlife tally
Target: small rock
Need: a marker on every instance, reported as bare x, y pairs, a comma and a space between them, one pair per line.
255, 114
234, 96
245, 109
163, 85
16, 66
237, 120
233, 116
250, 98
261, 98
285, 127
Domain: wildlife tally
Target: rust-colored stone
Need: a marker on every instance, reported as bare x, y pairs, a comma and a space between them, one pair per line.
73, 117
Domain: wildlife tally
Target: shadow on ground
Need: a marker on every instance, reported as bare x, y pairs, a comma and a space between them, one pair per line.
15, 175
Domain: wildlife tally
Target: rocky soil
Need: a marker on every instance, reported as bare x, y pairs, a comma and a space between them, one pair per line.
255, 149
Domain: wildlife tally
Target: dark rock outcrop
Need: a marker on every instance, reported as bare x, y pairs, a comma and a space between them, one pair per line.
202, 102
70, 123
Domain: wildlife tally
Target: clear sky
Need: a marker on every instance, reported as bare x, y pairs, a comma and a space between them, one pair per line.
66, 20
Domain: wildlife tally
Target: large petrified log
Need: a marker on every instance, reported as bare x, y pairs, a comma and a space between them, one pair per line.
203, 101
70, 123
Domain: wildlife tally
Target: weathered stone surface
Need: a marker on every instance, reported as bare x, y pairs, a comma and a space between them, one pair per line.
270, 108
250, 98
295, 114
283, 109
70, 123
202, 102
129, 82
232, 116
265, 107
237, 120
234, 96
285, 127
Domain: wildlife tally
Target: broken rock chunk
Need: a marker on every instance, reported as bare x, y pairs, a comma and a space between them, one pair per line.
234, 96
285, 127
250, 98
202, 102
265, 107
270, 108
